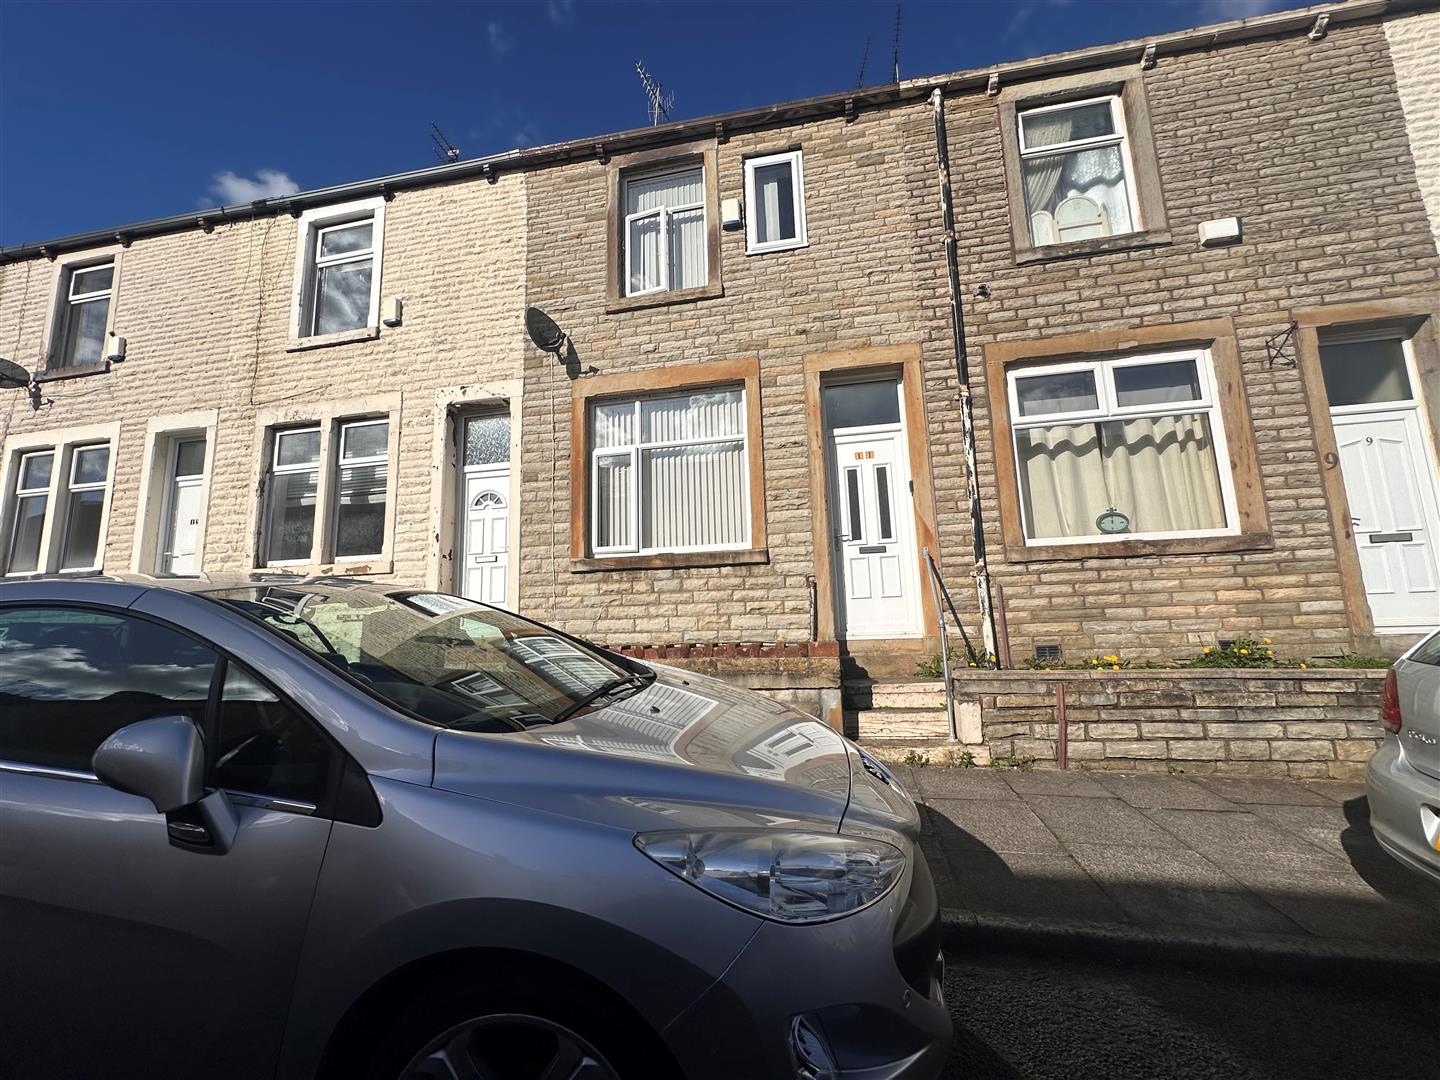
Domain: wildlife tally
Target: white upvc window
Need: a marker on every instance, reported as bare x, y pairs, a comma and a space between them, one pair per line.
349, 470
670, 473
338, 270
775, 203
664, 236
1076, 169
1126, 448
85, 316
56, 508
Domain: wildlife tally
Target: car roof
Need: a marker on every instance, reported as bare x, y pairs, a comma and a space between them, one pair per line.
201, 584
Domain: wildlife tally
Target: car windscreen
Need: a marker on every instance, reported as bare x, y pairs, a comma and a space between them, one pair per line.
440, 658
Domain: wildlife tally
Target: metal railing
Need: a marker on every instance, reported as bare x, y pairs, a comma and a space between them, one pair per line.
938, 591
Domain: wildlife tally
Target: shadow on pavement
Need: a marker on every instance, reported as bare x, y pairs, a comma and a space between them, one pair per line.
1378, 870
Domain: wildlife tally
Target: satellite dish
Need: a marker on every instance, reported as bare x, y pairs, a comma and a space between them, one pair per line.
12, 375
543, 330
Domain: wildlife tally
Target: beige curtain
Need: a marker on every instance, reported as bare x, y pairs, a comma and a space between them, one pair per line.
1042, 175
1160, 472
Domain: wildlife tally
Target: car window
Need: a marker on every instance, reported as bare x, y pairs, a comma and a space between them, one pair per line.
70, 678
265, 747
1427, 652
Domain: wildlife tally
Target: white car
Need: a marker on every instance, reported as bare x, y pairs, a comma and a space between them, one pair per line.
1404, 775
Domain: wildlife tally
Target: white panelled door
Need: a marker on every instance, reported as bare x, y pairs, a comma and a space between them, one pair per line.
482, 567
182, 507
1392, 494
873, 528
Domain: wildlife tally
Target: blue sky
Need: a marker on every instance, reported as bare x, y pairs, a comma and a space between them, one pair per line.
118, 111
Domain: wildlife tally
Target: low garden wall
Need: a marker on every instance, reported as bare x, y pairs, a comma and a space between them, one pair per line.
1270, 722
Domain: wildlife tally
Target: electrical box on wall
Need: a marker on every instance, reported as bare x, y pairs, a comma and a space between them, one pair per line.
1220, 231
115, 348
731, 216
391, 312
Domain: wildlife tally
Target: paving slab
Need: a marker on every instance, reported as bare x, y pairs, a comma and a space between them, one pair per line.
1054, 782
1023, 884
1160, 887
1098, 821
1341, 906
961, 784
1161, 792
1255, 789
1240, 838
1339, 791
991, 826
1323, 826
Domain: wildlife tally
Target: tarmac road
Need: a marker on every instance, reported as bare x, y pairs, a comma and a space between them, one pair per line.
1020, 1017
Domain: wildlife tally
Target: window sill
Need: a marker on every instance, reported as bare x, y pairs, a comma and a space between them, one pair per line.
342, 337
344, 568
1126, 549
788, 245
616, 304
1098, 246
74, 371
672, 561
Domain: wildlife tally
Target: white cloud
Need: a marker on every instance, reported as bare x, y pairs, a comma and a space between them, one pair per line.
1210, 11
527, 134
500, 41
232, 189
560, 11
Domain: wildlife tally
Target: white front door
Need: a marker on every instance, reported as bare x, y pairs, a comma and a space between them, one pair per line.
872, 516
1389, 475
182, 507
485, 536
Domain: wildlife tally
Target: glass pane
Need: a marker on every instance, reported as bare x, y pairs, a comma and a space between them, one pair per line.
775, 203
1365, 372
1069, 391
345, 239
25, 541
862, 404
365, 440
91, 464
1095, 177
85, 335
190, 457
77, 677
342, 297
487, 439
615, 424
1153, 384
265, 747
685, 188
97, 279
292, 515
691, 416
1067, 125
688, 266
852, 504
693, 496
882, 501
1158, 473
360, 518
297, 447
82, 530
35, 471
643, 251
612, 501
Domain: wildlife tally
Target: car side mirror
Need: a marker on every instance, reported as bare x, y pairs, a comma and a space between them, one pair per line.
163, 760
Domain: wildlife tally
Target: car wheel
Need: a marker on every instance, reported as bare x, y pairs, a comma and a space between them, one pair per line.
509, 1046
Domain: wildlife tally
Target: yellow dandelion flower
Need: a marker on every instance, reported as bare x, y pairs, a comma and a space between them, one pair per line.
1267, 641
1304, 665
1114, 667
1244, 652
1206, 649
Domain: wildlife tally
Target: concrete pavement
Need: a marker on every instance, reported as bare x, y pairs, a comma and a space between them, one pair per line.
1258, 866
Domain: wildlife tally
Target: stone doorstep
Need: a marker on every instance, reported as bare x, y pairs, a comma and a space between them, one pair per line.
936, 751
898, 723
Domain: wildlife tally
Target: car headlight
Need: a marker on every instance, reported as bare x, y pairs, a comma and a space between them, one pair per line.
792, 877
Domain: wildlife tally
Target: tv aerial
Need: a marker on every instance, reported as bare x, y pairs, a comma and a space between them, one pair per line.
445, 150
660, 102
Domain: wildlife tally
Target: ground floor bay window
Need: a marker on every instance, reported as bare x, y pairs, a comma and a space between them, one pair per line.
1120, 448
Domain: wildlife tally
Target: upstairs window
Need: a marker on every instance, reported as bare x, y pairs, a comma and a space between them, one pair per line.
85, 316
774, 203
1075, 168
665, 230
338, 275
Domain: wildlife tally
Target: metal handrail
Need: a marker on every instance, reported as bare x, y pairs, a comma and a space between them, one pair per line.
937, 592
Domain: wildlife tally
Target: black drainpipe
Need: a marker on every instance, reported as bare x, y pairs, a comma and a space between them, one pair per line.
962, 374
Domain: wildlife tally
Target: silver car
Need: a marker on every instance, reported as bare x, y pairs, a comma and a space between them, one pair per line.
318, 828
1403, 777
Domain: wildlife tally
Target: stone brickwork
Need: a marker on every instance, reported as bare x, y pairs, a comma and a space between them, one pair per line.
1414, 41
1237, 721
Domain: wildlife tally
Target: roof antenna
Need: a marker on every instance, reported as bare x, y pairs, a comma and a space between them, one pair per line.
660, 101
864, 59
895, 56
445, 150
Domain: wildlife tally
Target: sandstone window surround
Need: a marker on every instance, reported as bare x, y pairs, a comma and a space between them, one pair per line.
1098, 416
327, 488
338, 257
81, 326
775, 202
669, 469
56, 509
1080, 166
663, 226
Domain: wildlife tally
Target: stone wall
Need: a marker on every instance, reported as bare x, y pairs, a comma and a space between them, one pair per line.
1302, 723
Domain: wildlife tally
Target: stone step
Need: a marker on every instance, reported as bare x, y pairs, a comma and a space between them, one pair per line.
933, 753
896, 694
898, 723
